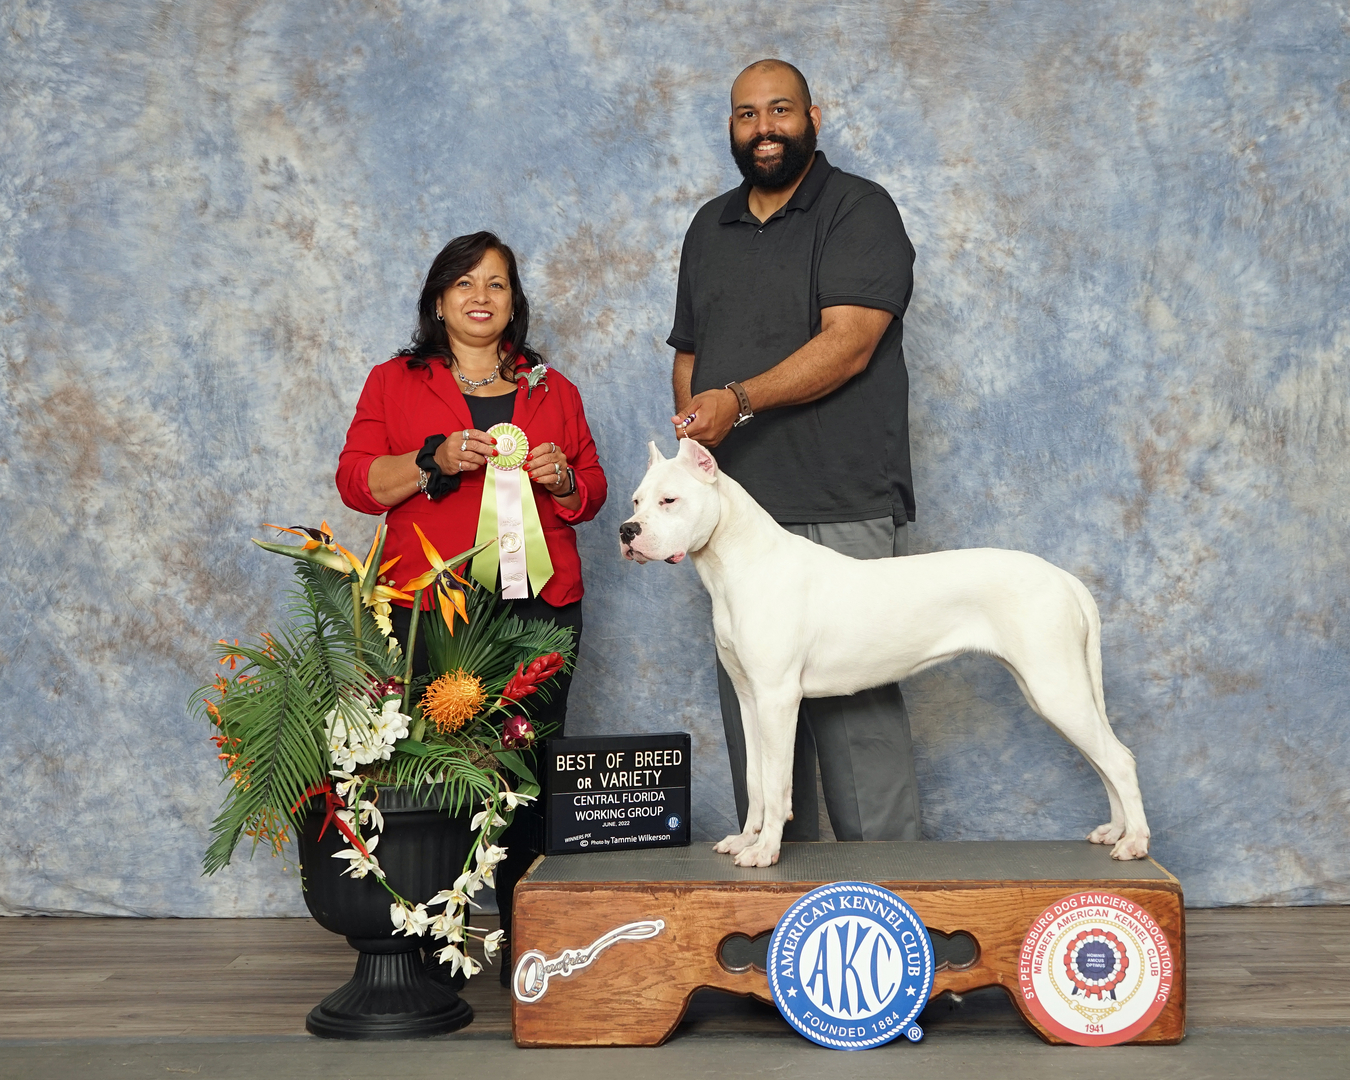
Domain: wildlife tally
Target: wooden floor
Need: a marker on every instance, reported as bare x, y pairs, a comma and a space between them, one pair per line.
64, 979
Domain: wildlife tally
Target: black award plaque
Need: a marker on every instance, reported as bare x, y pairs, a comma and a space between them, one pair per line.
609, 792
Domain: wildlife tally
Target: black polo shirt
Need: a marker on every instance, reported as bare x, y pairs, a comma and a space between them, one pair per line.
750, 294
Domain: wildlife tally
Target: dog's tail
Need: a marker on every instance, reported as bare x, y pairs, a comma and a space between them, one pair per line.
1092, 645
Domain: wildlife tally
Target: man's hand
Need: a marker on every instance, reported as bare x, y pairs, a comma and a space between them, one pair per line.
713, 412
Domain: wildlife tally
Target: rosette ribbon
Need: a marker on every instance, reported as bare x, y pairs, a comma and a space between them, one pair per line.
509, 513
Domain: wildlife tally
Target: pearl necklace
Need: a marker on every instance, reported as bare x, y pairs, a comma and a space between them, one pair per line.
471, 385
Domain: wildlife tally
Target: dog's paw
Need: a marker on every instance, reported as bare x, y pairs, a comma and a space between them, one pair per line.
1107, 834
735, 843
1131, 847
757, 855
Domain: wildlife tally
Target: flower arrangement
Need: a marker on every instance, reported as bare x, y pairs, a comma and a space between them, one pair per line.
327, 708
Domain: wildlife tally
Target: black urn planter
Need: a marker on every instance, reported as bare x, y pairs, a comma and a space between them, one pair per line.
391, 995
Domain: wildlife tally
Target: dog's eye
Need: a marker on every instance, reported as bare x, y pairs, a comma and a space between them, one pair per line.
668, 500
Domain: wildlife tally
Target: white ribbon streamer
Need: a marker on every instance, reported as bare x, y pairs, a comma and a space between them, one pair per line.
511, 535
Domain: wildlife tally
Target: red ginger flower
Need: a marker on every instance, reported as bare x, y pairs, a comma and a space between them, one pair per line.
526, 680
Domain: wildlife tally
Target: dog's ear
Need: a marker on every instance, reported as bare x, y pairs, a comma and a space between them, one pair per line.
654, 455
697, 460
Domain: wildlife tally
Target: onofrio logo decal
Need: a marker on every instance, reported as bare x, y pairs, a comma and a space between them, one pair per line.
1095, 969
851, 966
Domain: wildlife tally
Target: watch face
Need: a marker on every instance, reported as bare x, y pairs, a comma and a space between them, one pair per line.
742, 420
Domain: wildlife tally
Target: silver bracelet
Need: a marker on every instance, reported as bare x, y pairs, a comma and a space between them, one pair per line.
422, 477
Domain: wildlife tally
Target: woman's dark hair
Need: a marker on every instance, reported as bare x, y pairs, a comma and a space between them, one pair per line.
457, 258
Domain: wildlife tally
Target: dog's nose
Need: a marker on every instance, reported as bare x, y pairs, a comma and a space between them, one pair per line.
628, 531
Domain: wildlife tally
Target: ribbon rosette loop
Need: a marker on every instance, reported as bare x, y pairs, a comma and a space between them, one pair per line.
509, 513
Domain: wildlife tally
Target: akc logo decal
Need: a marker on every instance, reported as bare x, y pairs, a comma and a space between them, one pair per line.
851, 966
1095, 969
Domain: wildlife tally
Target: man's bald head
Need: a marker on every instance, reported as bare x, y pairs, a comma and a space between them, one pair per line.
772, 65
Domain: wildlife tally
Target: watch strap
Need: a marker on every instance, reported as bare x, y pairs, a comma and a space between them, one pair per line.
742, 402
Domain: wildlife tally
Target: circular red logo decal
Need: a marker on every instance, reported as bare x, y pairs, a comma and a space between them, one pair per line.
1095, 969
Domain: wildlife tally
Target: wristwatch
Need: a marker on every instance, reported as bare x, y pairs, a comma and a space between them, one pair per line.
746, 414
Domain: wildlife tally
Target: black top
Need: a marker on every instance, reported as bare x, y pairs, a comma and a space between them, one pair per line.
750, 294
488, 412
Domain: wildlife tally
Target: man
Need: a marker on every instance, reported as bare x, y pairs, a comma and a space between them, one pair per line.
788, 359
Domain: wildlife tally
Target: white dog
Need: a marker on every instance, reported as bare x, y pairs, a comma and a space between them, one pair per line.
793, 619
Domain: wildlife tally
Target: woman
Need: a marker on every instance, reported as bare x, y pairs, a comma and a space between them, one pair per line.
418, 448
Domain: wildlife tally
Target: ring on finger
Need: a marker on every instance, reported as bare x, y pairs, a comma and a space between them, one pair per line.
464, 444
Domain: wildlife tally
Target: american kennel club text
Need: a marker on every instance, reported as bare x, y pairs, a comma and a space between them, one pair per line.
851, 966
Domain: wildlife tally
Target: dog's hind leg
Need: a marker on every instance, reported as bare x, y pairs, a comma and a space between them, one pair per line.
777, 723
1127, 831
1114, 829
1064, 695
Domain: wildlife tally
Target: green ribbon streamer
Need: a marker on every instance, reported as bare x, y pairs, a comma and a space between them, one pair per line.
484, 567
538, 565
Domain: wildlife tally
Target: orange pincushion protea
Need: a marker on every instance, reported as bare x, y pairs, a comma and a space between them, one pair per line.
452, 700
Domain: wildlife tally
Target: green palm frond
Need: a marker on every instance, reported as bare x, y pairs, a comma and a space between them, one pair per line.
329, 595
273, 715
453, 771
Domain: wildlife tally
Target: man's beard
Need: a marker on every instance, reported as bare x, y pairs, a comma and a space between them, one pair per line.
796, 155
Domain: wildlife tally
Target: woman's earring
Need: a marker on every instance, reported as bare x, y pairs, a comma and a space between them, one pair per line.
440, 317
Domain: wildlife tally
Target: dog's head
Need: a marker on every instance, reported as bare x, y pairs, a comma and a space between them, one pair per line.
675, 508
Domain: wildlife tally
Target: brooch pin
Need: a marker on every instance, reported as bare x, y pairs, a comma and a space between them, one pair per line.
534, 377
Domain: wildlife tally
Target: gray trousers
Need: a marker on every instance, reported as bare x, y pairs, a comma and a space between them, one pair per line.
861, 741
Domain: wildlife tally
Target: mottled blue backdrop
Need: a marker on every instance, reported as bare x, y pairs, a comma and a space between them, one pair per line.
1127, 343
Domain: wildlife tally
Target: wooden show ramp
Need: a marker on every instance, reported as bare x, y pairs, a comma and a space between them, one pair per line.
625, 982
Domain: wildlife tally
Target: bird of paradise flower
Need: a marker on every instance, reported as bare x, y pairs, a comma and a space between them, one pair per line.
322, 549
442, 573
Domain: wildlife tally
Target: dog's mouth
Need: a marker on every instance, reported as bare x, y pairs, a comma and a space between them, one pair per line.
632, 554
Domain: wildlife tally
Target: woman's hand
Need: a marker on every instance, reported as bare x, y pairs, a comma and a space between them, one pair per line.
464, 451
547, 466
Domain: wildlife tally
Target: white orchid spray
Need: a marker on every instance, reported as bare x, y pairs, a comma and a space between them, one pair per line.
358, 734
363, 823
451, 924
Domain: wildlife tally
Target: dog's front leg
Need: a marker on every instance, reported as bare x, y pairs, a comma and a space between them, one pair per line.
777, 722
754, 814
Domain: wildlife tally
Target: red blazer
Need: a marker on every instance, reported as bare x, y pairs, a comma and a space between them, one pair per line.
396, 413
